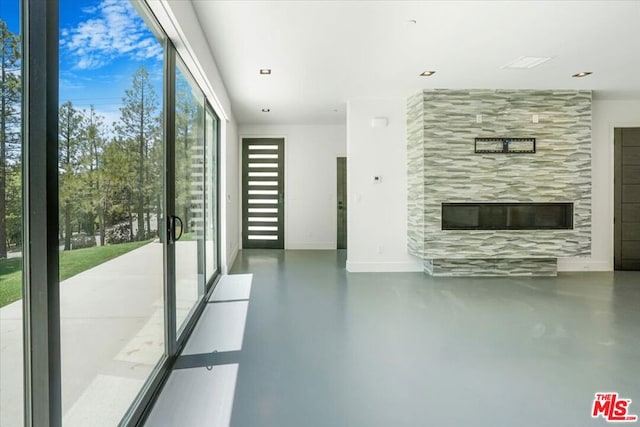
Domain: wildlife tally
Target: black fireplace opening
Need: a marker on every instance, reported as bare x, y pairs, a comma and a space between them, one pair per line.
507, 216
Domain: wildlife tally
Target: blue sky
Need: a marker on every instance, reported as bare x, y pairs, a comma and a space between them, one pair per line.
102, 43
10, 13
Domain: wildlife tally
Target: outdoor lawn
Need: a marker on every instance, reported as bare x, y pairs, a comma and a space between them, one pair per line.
71, 263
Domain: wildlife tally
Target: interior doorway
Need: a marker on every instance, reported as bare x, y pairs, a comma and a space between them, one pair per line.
627, 198
342, 202
263, 193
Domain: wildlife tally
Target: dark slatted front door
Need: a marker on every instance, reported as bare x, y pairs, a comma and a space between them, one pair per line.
627, 199
342, 202
263, 193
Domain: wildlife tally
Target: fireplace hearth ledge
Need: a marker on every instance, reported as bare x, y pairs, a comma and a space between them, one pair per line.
491, 267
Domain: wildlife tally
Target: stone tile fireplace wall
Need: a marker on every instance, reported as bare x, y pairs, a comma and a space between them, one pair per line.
443, 168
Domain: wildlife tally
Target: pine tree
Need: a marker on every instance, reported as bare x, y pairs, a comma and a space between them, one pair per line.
69, 164
10, 133
118, 180
138, 122
93, 130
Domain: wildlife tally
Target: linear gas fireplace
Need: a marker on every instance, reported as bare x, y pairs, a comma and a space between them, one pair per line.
507, 216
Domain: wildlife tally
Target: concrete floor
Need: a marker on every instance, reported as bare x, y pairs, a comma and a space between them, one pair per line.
322, 347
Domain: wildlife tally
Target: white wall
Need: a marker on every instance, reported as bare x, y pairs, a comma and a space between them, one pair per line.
230, 195
310, 181
377, 212
180, 23
607, 114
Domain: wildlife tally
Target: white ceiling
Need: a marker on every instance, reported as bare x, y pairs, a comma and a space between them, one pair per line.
324, 53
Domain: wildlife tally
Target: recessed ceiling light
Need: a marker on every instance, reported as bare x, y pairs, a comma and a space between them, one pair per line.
526, 62
582, 74
265, 71
412, 21
427, 73
265, 110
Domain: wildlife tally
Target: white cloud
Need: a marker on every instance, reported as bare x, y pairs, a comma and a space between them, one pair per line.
90, 62
114, 30
70, 83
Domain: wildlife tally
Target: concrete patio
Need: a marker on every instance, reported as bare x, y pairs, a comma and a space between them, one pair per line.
112, 335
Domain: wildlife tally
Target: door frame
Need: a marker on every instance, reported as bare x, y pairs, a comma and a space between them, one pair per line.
613, 130
284, 137
211, 279
610, 187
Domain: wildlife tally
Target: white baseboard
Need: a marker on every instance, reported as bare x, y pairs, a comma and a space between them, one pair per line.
572, 265
384, 267
324, 246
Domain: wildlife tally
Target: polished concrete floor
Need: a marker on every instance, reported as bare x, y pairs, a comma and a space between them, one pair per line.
303, 343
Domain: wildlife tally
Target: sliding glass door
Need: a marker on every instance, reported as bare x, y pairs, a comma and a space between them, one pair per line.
110, 159
189, 158
120, 216
195, 196
11, 254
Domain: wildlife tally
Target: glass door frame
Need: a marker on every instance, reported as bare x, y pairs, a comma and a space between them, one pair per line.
175, 340
208, 282
40, 283
41, 286
211, 279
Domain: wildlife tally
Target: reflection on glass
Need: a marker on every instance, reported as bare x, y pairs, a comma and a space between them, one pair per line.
11, 372
111, 201
189, 195
211, 189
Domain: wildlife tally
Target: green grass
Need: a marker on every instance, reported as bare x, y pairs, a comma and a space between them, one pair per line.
71, 263
10, 280
186, 237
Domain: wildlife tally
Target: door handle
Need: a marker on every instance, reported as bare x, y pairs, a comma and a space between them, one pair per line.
177, 219
172, 237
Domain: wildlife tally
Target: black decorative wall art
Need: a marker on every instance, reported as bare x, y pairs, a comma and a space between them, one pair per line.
505, 145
